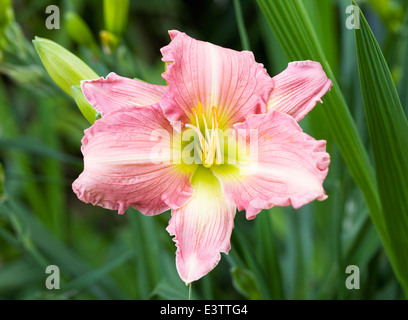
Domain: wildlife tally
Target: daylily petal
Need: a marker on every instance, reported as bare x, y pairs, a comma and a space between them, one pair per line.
298, 88
116, 92
125, 164
202, 228
290, 166
203, 74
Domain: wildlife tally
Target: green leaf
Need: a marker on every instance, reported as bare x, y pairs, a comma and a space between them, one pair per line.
16, 274
1, 182
245, 283
403, 64
95, 275
34, 147
43, 247
267, 252
388, 130
167, 290
323, 16
244, 257
147, 255
241, 25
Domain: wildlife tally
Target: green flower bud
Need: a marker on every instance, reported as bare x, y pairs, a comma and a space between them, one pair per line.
6, 13
109, 41
65, 68
116, 15
6, 17
79, 31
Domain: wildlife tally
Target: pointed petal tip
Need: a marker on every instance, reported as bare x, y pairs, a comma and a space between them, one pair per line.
85, 195
299, 88
122, 208
116, 92
194, 270
174, 33
202, 228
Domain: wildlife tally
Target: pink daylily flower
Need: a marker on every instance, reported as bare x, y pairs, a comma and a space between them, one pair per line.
209, 89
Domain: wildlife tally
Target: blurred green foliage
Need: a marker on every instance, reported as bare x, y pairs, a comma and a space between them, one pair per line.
282, 254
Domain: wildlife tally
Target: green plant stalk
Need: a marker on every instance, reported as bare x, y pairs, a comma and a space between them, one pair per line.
80, 32
116, 15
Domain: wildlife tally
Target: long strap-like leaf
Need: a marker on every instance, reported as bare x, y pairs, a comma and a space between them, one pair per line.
388, 129
296, 35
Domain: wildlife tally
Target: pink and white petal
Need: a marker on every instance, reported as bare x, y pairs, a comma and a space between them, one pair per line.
289, 167
201, 72
202, 228
116, 92
298, 88
127, 163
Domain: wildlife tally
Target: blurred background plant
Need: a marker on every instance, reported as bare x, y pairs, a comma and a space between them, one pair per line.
283, 253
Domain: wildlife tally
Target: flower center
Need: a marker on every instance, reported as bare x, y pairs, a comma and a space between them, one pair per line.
208, 145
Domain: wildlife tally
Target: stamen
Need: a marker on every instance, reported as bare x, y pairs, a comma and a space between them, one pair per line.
209, 157
215, 111
196, 116
205, 123
208, 142
218, 159
200, 136
200, 107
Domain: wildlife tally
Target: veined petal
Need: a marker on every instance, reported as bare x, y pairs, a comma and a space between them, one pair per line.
116, 92
203, 74
298, 88
290, 166
202, 228
127, 163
